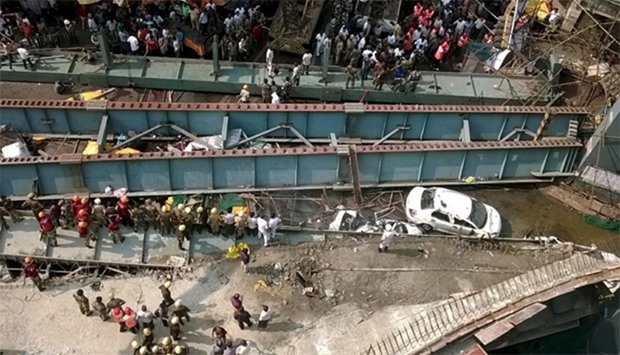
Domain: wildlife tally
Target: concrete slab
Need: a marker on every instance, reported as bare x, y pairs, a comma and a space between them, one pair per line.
159, 248
22, 238
129, 251
71, 246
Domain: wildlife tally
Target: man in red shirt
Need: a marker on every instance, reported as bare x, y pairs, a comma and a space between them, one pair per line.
122, 208
31, 270
85, 233
114, 229
48, 229
27, 29
76, 205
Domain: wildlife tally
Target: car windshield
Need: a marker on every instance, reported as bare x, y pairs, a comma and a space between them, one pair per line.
478, 214
428, 199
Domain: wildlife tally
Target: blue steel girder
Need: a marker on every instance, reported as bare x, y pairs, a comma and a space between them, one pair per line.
311, 120
288, 168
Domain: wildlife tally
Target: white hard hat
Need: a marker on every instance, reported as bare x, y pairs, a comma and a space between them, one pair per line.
67, 22
97, 201
30, 195
167, 284
200, 209
155, 348
182, 227
388, 227
166, 341
135, 344
180, 206
177, 303
147, 331
174, 320
178, 350
187, 210
143, 350
214, 210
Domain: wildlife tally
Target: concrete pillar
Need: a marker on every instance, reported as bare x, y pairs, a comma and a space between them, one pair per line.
104, 47
571, 16
216, 56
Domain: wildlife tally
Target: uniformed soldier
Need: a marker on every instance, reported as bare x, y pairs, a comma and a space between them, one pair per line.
201, 218
187, 219
85, 233
114, 302
82, 301
165, 221
181, 311
166, 345
175, 328
100, 308
166, 295
114, 228
47, 229
67, 218
176, 213
98, 215
34, 205
149, 338
7, 206
181, 235
152, 212
265, 90
143, 350
156, 350
181, 350
351, 73
241, 224
138, 215
136, 347
214, 221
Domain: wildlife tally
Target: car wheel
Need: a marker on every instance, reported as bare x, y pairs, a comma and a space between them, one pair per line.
427, 228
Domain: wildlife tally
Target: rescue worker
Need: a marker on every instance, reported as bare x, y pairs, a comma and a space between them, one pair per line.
122, 208
149, 338
31, 270
241, 225
98, 215
265, 90
387, 237
152, 213
138, 216
461, 45
34, 205
136, 347
82, 216
85, 233
243, 318
181, 350
162, 312
351, 74
85, 205
244, 95
7, 205
176, 214
67, 218
117, 316
47, 229
181, 311
201, 218
54, 212
100, 308
82, 301
143, 350
131, 320
187, 219
214, 221
181, 235
156, 350
165, 221
175, 328
114, 302
76, 205
166, 345
165, 293
114, 229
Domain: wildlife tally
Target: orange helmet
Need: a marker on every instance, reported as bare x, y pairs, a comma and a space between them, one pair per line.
82, 224
82, 212
84, 200
27, 260
124, 199
76, 198
116, 311
41, 214
127, 310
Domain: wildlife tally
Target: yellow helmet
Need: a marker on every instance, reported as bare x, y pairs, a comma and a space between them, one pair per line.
135, 344
166, 341
147, 331
246, 87
182, 227
174, 320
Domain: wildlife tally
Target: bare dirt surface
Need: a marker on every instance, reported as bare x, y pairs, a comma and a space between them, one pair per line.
50, 322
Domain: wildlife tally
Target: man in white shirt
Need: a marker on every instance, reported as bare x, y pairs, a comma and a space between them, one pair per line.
387, 237
296, 74
264, 317
25, 56
275, 99
244, 95
263, 230
134, 44
306, 61
146, 317
269, 60
252, 226
274, 222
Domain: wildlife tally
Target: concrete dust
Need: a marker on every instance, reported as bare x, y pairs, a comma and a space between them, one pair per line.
50, 322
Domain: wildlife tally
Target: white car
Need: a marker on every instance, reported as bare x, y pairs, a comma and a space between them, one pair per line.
452, 212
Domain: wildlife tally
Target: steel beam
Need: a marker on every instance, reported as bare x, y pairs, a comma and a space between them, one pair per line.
101, 136
426, 122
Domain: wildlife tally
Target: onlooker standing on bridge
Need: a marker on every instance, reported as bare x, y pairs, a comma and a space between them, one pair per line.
306, 61
269, 61
263, 229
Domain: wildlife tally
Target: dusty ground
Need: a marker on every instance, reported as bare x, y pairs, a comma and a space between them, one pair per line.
50, 323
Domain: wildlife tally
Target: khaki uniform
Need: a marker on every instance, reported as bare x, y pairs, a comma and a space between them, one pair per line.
265, 90
214, 223
241, 225
351, 73
34, 206
181, 312
7, 205
101, 310
165, 222
98, 217
175, 331
82, 301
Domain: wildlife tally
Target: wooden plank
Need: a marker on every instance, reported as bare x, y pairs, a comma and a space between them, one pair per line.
526, 313
493, 331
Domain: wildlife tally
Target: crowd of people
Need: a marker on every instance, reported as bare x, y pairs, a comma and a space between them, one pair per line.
171, 313
87, 218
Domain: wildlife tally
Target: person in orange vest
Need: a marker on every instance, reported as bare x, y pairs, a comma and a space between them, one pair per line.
86, 205
461, 44
48, 229
441, 52
85, 233
488, 38
31, 270
417, 10
122, 208
76, 205
131, 320
117, 315
114, 229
